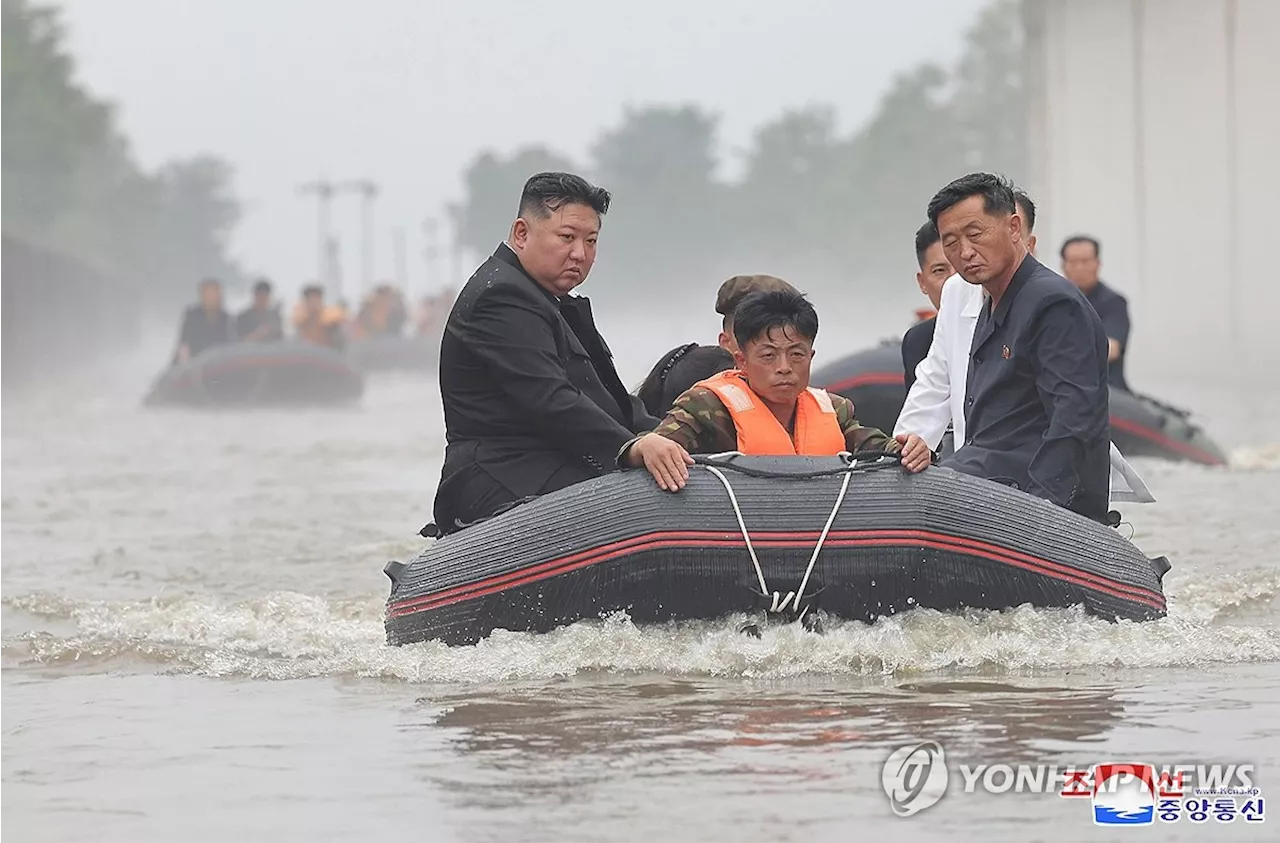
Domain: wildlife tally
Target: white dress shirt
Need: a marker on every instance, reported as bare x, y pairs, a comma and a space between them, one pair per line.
937, 397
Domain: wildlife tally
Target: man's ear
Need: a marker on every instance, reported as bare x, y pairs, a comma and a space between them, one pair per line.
739, 359
519, 232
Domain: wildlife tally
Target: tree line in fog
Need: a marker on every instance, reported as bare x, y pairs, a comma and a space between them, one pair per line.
72, 186
844, 206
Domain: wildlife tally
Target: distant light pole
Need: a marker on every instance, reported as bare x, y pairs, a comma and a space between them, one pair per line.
323, 190
368, 190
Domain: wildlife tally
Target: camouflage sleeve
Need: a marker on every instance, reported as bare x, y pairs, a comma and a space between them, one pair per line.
699, 422
856, 437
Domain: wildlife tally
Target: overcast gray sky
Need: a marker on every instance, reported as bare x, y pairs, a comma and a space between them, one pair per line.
407, 92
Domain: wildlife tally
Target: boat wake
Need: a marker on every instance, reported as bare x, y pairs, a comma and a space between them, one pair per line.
287, 635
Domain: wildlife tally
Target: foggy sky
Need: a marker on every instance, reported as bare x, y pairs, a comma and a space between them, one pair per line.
407, 92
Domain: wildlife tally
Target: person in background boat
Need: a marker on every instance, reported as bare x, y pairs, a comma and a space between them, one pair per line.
260, 321
685, 365
204, 325
433, 312
934, 272
765, 406
1080, 263
532, 401
318, 323
1036, 408
374, 318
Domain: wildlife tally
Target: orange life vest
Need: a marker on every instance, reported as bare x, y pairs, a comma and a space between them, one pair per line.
759, 431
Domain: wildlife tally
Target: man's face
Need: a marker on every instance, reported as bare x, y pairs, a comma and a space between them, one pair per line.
1080, 265
981, 246
777, 365
210, 296
934, 273
558, 251
314, 303
262, 299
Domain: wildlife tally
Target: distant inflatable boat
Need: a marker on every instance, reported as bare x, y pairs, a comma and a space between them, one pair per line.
794, 537
260, 374
1140, 426
388, 354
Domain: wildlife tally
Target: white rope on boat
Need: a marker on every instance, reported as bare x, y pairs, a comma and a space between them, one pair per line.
779, 602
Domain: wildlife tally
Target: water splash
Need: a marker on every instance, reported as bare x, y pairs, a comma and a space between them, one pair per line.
287, 635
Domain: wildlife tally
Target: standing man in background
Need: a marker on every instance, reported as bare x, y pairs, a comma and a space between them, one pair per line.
1080, 264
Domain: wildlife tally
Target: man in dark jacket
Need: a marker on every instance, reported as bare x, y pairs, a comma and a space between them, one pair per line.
204, 325
1036, 402
532, 401
1080, 263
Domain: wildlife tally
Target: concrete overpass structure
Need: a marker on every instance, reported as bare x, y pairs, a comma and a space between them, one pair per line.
1155, 126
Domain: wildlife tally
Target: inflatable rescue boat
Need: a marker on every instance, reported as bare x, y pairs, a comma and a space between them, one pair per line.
787, 537
252, 374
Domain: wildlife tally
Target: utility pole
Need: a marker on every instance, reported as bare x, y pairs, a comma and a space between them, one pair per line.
398, 252
431, 251
368, 190
323, 190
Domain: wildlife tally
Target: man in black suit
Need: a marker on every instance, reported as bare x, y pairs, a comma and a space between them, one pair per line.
1036, 405
532, 401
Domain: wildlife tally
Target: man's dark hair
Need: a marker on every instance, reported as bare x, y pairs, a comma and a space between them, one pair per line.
546, 193
262, 286
1080, 238
996, 192
313, 290
760, 313
926, 236
1024, 203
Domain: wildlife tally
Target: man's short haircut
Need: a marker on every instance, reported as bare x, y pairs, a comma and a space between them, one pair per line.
546, 193
1080, 238
926, 236
262, 286
996, 192
737, 288
1026, 207
759, 313
313, 290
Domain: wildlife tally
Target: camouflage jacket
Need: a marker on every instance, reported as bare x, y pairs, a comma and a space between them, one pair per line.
701, 423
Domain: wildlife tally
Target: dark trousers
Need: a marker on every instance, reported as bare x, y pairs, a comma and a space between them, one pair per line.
472, 494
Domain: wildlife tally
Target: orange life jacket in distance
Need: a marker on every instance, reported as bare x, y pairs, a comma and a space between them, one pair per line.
817, 432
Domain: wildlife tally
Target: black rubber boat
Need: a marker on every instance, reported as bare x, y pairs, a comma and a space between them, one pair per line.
260, 375
889, 541
1140, 426
390, 354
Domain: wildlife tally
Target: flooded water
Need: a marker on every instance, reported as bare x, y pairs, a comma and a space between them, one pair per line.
193, 649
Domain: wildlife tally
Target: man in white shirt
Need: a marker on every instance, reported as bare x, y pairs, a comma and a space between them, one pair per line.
936, 399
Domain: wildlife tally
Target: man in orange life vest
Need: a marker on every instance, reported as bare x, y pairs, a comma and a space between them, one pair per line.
765, 406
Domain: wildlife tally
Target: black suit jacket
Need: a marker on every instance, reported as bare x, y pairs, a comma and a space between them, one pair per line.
1036, 404
532, 401
915, 347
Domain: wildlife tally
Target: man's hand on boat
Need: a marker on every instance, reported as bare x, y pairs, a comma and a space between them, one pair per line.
916, 455
666, 460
